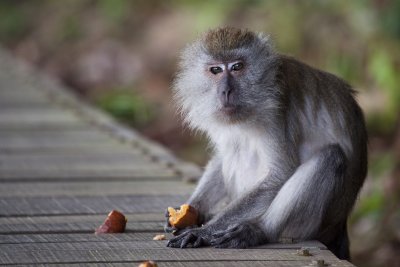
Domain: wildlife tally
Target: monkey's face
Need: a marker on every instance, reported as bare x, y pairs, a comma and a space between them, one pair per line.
225, 87
227, 78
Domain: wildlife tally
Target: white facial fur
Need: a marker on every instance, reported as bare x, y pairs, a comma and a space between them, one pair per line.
192, 89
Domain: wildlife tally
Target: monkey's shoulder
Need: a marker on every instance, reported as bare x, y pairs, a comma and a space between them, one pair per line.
303, 77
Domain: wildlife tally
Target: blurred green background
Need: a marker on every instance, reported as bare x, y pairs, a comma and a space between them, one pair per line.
121, 56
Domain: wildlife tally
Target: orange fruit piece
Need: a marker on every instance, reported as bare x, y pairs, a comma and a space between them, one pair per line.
183, 217
148, 264
114, 223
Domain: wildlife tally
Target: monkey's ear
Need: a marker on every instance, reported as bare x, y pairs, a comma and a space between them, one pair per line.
264, 38
266, 41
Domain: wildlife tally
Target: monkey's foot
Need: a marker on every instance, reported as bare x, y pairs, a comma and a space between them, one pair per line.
240, 236
193, 238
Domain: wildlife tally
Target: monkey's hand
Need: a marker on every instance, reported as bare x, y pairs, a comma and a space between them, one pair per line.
194, 238
239, 236
168, 228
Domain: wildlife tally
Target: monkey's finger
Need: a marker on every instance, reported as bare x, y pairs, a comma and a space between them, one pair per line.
187, 240
235, 228
229, 230
170, 244
174, 243
226, 236
198, 243
224, 239
218, 234
224, 232
178, 231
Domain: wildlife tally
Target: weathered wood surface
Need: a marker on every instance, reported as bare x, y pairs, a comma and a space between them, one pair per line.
99, 188
305, 263
65, 165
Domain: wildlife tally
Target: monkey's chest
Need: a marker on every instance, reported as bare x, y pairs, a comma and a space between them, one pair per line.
243, 169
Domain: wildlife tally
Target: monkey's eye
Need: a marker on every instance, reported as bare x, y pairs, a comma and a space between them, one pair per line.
237, 66
215, 70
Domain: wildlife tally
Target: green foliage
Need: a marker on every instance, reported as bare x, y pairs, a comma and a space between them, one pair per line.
127, 106
390, 18
381, 164
345, 66
375, 203
379, 123
70, 29
371, 206
206, 14
13, 22
114, 10
383, 71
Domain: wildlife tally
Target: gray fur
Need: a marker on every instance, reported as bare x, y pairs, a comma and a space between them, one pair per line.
291, 158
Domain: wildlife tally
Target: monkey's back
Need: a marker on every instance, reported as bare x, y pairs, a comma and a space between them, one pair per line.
326, 113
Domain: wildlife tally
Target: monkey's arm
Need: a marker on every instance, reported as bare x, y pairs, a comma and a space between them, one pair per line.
208, 193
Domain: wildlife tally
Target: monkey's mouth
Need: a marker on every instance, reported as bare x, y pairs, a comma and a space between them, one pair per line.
229, 110
233, 113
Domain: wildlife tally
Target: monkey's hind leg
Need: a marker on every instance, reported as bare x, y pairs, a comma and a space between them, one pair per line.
315, 192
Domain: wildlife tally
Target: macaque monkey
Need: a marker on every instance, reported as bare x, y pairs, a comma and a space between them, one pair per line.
290, 145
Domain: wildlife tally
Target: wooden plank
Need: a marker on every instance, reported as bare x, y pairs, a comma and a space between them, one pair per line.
13, 103
56, 219
62, 155
60, 149
131, 237
10, 162
133, 166
88, 133
28, 125
251, 263
83, 227
78, 237
63, 205
132, 251
32, 116
55, 138
102, 188
78, 227
138, 222
82, 168
99, 174
117, 241
20, 94
64, 147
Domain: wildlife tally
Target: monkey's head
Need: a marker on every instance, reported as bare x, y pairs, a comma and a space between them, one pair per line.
226, 77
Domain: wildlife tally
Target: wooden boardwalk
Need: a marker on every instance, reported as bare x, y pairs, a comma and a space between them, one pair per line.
65, 165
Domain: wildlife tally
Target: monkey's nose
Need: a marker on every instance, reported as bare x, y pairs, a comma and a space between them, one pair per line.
226, 97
